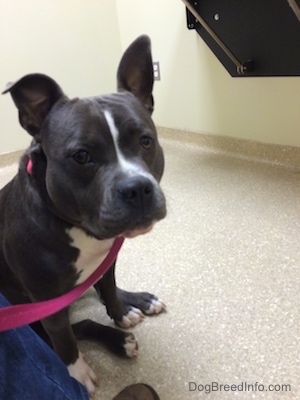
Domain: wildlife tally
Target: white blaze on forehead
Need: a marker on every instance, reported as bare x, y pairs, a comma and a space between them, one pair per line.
127, 166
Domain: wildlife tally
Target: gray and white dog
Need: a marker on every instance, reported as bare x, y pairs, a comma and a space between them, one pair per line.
91, 174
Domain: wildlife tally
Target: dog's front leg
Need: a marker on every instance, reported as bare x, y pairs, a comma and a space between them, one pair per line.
124, 315
64, 343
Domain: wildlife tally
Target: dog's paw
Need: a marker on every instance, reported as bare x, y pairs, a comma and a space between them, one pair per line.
148, 303
121, 343
132, 318
131, 346
156, 306
84, 374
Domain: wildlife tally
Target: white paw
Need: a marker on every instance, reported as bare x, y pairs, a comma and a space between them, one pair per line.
84, 374
156, 307
131, 346
132, 318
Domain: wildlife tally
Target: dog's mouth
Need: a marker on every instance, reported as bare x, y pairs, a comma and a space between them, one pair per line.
132, 233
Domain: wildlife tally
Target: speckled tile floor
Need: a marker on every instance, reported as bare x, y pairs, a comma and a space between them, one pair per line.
226, 262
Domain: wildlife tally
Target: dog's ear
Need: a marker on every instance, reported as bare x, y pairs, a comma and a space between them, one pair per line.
135, 72
34, 95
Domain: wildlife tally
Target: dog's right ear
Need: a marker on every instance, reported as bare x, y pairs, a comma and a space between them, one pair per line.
34, 95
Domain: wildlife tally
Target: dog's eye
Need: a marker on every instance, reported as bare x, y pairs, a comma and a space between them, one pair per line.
82, 157
146, 142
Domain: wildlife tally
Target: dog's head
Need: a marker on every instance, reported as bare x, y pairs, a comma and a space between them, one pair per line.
96, 161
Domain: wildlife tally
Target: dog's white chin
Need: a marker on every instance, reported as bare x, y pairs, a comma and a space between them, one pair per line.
136, 232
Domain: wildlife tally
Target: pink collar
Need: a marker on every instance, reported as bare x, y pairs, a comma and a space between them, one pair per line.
22, 314
29, 167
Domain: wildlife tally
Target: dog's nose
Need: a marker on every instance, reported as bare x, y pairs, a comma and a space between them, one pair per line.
137, 191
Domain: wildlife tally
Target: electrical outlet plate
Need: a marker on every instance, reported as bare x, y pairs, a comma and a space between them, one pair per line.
156, 71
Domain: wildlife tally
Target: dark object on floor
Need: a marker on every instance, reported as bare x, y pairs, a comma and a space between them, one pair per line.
139, 391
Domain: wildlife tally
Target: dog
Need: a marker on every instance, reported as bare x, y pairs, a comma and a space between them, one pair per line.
90, 174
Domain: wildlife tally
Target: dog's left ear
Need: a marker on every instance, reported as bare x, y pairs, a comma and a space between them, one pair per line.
135, 72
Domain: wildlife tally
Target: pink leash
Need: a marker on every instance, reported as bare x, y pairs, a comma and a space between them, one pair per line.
23, 314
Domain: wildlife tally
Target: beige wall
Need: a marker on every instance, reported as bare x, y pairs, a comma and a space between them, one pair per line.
79, 43
76, 42
197, 93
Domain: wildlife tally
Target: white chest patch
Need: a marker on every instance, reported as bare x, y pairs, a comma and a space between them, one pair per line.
92, 252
